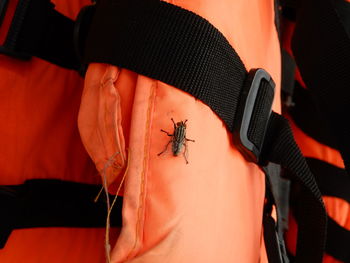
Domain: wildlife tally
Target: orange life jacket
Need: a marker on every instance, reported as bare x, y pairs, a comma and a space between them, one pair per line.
179, 205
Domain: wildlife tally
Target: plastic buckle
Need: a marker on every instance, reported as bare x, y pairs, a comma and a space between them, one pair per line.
249, 101
10, 45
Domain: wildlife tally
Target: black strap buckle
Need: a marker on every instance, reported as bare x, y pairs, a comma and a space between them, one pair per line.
275, 247
12, 46
81, 30
253, 114
38, 30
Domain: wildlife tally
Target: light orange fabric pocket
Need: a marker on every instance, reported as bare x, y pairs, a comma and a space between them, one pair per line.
100, 121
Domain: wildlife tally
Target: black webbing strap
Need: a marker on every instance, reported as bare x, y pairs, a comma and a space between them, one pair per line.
281, 148
274, 231
271, 239
321, 47
288, 75
52, 203
307, 115
279, 189
334, 182
37, 29
165, 42
338, 240
288, 9
176, 46
342, 7
277, 11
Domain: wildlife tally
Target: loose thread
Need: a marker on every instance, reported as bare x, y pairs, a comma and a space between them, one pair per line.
102, 188
98, 195
110, 207
108, 164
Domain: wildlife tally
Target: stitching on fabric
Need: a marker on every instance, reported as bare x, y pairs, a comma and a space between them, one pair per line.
104, 177
150, 111
123, 157
111, 207
105, 81
144, 166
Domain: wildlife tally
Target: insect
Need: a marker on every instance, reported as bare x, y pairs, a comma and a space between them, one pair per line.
178, 139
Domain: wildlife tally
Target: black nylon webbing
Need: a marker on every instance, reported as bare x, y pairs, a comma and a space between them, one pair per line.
171, 44
321, 47
37, 29
52, 203
338, 240
332, 180
281, 148
176, 46
271, 240
288, 72
342, 7
52, 39
337, 244
307, 115
274, 231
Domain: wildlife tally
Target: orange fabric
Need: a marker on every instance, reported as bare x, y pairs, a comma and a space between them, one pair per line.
209, 210
39, 138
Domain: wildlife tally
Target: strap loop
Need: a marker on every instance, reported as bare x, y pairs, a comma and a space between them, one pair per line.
37, 29
52, 203
81, 29
254, 110
11, 45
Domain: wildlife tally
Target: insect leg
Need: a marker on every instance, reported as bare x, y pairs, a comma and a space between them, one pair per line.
174, 123
167, 133
185, 152
189, 140
166, 147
